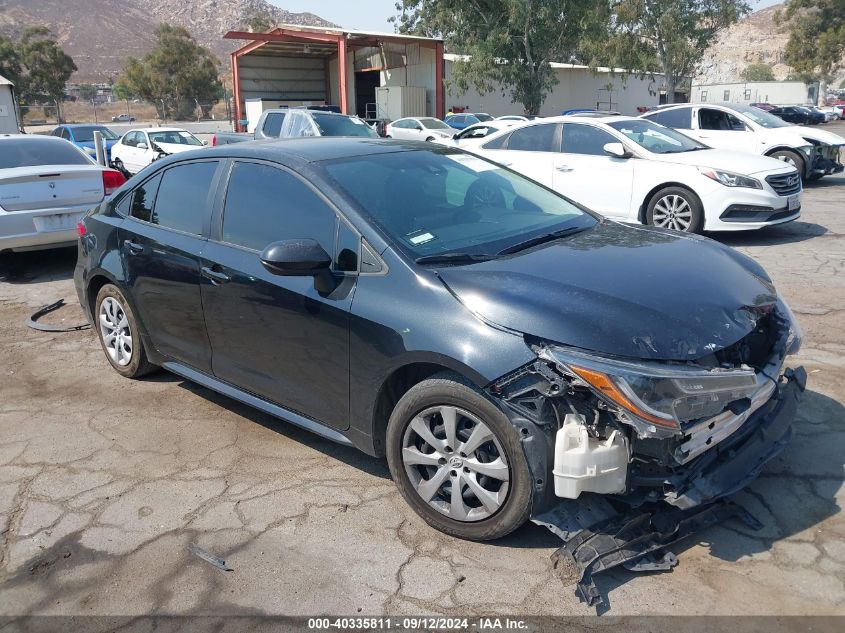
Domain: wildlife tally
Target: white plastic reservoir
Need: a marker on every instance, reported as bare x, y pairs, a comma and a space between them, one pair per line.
586, 464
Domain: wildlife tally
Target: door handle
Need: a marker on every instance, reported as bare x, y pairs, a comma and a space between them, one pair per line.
564, 168
133, 247
216, 276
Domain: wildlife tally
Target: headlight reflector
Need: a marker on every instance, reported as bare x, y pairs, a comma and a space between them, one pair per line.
655, 393
730, 179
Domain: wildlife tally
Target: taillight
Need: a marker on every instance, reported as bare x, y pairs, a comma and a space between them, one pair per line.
112, 179
80, 229
214, 141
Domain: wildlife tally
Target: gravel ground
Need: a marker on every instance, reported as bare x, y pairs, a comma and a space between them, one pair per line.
105, 482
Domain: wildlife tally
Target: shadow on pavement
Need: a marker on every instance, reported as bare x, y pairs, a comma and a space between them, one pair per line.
789, 233
37, 266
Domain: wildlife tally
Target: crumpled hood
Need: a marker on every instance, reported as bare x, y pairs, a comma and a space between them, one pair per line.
628, 291
177, 148
804, 131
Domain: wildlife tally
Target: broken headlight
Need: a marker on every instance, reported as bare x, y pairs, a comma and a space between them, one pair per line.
652, 395
796, 334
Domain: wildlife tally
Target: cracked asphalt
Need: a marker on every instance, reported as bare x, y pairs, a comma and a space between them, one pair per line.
105, 482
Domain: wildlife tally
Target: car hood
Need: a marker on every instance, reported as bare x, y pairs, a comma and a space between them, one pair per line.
737, 162
177, 148
628, 291
823, 136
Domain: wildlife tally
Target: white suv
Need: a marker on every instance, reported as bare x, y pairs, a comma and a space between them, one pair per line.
744, 128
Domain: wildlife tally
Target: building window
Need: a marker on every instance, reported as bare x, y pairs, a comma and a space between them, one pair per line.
748, 95
704, 96
726, 96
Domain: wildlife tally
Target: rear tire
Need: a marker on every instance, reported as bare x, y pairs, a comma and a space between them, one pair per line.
118, 165
675, 208
481, 486
119, 334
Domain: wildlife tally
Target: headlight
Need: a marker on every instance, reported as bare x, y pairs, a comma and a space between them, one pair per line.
730, 179
796, 334
656, 394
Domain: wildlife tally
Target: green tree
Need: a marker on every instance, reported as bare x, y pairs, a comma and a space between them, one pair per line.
259, 22
512, 42
675, 32
47, 66
87, 92
758, 72
176, 75
816, 45
10, 62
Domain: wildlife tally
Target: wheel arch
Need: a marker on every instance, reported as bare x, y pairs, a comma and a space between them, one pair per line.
789, 148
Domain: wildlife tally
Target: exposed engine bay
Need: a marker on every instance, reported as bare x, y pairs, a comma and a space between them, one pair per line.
656, 446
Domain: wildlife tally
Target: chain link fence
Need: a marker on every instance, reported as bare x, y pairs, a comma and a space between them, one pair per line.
124, 112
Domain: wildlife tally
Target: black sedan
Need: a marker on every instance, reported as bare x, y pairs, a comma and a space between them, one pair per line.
505, 348
798, 115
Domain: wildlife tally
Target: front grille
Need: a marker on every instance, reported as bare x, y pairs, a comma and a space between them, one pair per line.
785, 184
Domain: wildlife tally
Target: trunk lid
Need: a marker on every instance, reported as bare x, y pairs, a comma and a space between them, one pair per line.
50, 186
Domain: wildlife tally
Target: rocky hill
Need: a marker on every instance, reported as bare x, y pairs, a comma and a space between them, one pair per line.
100, 34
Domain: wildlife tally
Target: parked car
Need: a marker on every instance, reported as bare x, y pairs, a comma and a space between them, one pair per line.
292, 122
138, 148
827, 114
518, 117
764, 106
465, 119
82, 135
502, 342
475, 134
419, 129
46, 185
633, 170
743, 128
123, 118
797, 115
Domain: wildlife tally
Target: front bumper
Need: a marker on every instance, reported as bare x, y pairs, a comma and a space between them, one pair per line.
826, 160
743, 208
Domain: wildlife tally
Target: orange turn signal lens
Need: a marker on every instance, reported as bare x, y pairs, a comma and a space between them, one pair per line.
607, 388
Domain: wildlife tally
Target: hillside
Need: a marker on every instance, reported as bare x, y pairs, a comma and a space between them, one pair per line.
100, 34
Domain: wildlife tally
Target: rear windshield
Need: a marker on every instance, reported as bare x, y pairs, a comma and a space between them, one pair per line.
483, 117
334, 125
34, 151
86, 134
434, 124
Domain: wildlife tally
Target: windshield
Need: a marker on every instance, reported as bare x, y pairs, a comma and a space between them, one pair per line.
435, 202
86, 134
483, 117
656, 138
175, 137
34, 151
338, 125
760, 117
434, 124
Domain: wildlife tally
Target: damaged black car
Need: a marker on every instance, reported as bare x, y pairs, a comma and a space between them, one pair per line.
512, 354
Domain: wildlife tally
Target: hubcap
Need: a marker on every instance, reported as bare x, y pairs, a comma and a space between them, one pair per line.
672, 212
786, 159
114, 329
455, 463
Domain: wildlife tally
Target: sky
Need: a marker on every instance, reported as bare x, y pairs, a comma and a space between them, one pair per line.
371, 15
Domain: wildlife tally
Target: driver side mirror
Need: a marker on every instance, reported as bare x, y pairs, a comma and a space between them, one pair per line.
296, 258
141, 145
616, 150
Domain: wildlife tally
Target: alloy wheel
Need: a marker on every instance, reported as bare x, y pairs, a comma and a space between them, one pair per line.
114, 328
455, 463
786, 159
672, 212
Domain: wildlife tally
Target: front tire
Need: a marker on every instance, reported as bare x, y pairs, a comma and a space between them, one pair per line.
675, 208
457, 460
791, 158
119, 334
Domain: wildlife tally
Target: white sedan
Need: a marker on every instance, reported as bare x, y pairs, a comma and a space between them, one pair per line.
633, 170
418, 129
475, 134
46, 185
138, 148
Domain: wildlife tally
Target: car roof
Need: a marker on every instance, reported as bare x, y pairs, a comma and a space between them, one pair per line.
75, 125
33, 137
314, 149
158, 129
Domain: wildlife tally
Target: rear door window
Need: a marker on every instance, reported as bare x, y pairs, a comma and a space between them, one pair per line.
265, 204
535, 138
709, 119
182, 200
273, 124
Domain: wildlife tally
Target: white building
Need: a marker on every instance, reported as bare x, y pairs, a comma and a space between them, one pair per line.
9, 123
774, 92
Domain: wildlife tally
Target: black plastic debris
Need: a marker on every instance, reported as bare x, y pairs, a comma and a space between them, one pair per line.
636, 539
46, 327
208, 558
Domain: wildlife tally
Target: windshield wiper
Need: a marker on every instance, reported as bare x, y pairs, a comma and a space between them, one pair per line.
539, 239
455, 258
